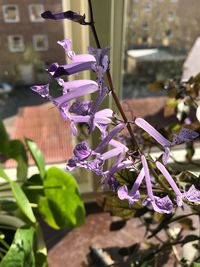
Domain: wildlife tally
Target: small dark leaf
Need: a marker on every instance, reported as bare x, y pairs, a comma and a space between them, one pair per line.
187, 224
126, 251
190, 151
115, 226
4, 143
189, 238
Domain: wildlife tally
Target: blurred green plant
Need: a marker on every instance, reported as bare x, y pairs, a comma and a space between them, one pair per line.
51, 193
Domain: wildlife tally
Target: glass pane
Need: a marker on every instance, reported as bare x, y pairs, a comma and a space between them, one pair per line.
159, 37
35, 12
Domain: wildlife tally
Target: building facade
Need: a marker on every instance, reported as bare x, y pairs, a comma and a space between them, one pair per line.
168, 23
28, 42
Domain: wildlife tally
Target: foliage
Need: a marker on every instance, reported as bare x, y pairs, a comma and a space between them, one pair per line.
51, 193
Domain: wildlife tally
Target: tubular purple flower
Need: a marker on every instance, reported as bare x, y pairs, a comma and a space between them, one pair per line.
80, 91
161, 205
119, 164
134, 194
170, 180
72, 85
153, 132
185, 135
108, 138
66, 44
65, 15
102, 94
72, 68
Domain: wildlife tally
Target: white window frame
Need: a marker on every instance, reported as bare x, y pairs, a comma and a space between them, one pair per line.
30, 12
7, 20
171, 15
11, 48
148, 7
35, 36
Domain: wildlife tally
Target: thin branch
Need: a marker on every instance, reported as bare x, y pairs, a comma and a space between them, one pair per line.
109, 78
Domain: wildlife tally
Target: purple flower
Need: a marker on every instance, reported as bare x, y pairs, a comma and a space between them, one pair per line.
134, 194
161, 205
66, 44
185, 135
42, 90
192, 194
82, 150
102, 94
170, 180
65, 15
72, 68
80, 107
77, 92
72, 163
109, 137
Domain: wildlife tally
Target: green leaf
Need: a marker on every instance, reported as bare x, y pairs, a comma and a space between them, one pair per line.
41, 250
22, 201
21, 252
61, 207
7, 204
36, 155
119, 207
4, 143
17, 151
196, 264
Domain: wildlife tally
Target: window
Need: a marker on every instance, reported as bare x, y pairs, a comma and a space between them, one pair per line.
147, 7
168, 33
10, 13
145, 26
171, 16
40, 42
35, 13
16, 43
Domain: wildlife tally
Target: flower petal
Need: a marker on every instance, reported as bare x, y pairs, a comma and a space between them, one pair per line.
192, 194
82, 150
153, 132
185, 135
42, 90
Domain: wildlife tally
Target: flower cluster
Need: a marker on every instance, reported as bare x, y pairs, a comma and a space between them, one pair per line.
76, 110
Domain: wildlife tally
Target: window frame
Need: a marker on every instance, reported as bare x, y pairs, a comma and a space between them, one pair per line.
35, 36
13, 50
4, 13
30, 13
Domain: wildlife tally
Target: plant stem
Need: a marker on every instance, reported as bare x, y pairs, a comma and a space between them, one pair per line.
109, 78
